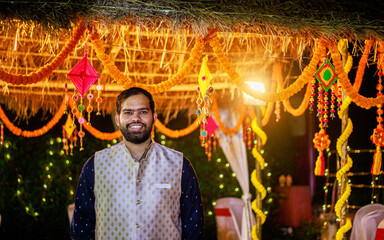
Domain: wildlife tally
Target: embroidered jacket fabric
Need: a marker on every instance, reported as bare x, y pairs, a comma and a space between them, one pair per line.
157, 197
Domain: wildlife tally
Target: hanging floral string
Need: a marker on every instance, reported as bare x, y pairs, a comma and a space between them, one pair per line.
304, 78
358, 99
127, 82
377, 137
43, 72
36, 133
216, 114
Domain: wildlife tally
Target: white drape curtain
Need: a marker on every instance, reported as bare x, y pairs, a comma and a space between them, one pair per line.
234, 149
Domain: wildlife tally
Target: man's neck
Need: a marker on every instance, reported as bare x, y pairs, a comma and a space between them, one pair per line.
137, 150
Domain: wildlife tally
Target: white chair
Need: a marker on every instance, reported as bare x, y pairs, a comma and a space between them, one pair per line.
229, 213
360, 229
70, 209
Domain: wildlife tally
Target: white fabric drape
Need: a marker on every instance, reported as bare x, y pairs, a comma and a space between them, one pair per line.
234, 149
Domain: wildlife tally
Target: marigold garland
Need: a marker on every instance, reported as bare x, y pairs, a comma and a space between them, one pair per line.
216, 114
259, 132
304, 78
340, 203
43, 72
36, 133
358, 99
343, 229
127, 82
117, 134
259, 187
178, 133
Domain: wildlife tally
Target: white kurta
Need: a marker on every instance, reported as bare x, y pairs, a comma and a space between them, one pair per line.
138, 199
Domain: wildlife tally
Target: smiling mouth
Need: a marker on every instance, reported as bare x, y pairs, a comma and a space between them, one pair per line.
135, 127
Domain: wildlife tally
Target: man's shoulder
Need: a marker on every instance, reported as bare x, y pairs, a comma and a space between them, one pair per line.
158, 147
109, 149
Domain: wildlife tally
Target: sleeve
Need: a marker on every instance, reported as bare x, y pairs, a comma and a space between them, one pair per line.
84, 217
192, 217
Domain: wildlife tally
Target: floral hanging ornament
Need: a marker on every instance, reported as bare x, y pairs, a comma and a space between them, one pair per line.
204, 101
69, 135
377, 137
321, 142
83, 75
326, 76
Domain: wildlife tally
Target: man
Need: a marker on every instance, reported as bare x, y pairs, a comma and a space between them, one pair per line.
137, 189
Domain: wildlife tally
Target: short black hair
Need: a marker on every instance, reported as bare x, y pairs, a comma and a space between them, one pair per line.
131, 92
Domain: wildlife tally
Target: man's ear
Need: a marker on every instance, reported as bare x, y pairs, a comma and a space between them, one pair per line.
117, 119
154, 118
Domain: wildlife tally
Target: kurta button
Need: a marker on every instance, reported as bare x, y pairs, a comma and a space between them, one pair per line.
137, 225
138, 180
138, 202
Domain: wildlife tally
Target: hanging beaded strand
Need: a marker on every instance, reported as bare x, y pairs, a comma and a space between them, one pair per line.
333, 98
312, 99
2, 132
98, 99
89, 107
66, 95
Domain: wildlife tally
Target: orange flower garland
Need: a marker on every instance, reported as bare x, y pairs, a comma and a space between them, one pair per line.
358, 99
36, 133
46, 70
178, 133
127, 82
216, 114
278, 74
304, 78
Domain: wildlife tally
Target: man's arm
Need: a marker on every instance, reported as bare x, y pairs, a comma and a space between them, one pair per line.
192, 217
84, 217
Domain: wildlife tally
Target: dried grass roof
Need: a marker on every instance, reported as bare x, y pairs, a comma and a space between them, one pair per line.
149, 41
353, 19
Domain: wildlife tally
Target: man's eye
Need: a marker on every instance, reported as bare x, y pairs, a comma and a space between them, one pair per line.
129, 113
144, 112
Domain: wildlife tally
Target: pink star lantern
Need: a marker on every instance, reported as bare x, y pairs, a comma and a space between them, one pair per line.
83, 75
211, 126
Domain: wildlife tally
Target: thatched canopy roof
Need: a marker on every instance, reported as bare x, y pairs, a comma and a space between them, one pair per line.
342, 19
149, 41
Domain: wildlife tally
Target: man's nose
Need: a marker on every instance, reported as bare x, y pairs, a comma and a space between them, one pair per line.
135, 116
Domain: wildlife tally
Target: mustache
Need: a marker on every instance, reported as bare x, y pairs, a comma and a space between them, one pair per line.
135, 123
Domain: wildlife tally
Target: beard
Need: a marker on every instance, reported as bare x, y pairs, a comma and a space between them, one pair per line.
137, 137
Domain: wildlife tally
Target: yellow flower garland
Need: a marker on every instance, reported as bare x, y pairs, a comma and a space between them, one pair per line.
358, 99
36, 133
340, 203
304, 78
259, 187
127, 82
45, 71
259, 132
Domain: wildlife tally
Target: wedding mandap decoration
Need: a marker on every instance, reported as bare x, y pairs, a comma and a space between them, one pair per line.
161, 49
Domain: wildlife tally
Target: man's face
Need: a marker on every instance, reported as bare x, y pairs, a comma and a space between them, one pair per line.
136, 119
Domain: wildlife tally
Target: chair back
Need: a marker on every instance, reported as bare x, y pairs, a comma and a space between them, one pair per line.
368, 214
228, 213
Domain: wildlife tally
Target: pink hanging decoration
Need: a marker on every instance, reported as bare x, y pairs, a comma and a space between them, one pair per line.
211, 126
83, 75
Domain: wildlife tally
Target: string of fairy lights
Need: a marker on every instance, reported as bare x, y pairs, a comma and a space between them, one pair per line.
55, 153
376, 185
